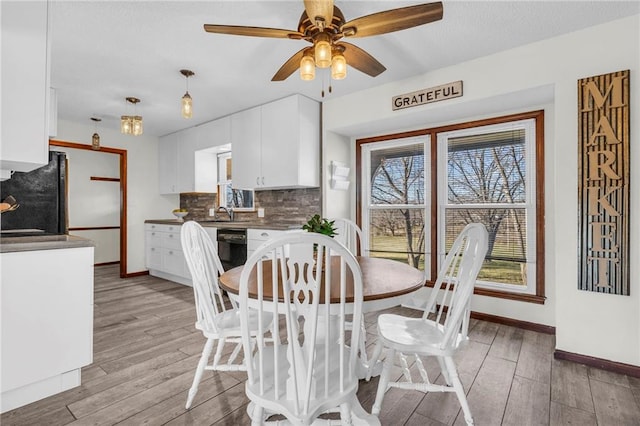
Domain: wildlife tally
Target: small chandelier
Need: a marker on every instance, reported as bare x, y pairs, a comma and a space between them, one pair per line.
322, 44
187, 102
131, 124
95, 139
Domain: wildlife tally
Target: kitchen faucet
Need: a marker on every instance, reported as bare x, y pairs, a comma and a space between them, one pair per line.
229, 212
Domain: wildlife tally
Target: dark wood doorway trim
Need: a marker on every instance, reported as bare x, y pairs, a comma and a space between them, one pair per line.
123, 193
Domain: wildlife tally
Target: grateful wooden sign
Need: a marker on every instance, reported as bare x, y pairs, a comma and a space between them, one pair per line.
603, 184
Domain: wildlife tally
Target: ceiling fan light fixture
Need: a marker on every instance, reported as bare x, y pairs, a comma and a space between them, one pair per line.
323, 50
307, 66
187, 101
338, 66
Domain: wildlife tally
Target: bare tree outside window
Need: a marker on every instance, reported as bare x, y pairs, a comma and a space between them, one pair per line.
486, 177
398, 193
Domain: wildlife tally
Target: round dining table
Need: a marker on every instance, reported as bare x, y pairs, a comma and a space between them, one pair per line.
386, 283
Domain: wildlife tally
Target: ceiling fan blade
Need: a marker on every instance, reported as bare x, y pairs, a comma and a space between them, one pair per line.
393, 20
289, 67
252, 31
361, 60
323, 8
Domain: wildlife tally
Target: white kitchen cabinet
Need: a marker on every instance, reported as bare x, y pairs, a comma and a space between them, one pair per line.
168, 164
47, 322
257, 237
25, 85
187, 144
277, 145
180, 169
164, 257
246, 148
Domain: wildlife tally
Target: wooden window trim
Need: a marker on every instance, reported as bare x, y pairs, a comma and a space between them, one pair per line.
538, 115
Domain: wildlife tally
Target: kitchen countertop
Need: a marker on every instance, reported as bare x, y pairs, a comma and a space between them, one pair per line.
235, 224
42, 242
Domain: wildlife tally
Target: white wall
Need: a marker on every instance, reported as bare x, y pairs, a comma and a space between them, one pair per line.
143, 199
93, 203
540, 75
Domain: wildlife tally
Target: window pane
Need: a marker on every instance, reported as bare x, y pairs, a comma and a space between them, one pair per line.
488, 168
398, 234
397, 175
506, 255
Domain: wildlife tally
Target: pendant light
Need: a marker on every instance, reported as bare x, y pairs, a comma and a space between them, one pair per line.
132, 124
187, 102
95, 139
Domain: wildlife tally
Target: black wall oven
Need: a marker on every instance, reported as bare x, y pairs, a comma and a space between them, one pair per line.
232, 247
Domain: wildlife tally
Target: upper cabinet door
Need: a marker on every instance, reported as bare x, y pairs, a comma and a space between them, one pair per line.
25, 85
214, 133
291, 143
187, 143
168, 164
245, 148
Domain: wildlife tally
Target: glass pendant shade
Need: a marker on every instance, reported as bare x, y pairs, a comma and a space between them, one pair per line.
323, 51
95, 141
125, 125
338, 67
137, 128
187, 106
307, 68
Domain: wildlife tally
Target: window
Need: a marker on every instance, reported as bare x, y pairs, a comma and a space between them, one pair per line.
433, 182
229, 197
396, 202
487, 175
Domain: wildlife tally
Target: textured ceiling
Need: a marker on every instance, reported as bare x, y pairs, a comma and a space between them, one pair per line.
104, 51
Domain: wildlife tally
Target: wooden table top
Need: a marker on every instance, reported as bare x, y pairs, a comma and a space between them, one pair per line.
381, 279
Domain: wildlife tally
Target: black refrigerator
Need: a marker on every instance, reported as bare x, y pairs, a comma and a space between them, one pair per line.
42, 196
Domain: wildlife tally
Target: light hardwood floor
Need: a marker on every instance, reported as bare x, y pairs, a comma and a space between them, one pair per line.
146, 350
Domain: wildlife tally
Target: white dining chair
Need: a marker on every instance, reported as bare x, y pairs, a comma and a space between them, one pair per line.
218, 319
349, 234
441, 335
312, 371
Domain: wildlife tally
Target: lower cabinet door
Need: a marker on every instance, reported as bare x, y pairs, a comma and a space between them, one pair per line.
174, 262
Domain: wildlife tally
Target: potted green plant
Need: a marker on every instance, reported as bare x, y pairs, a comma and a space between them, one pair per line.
320, 225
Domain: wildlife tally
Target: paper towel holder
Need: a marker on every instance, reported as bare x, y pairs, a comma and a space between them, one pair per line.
339, 176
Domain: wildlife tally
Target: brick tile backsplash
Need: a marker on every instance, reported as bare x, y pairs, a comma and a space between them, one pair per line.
282, 206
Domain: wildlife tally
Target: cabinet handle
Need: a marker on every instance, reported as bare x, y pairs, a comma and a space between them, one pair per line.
152, 249
153, 233
170, 252
258, 180
263, 180
264, 234
170, 235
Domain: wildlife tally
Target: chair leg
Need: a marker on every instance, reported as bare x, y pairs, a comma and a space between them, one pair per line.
345, 414
459, 389
204, 358
383, 384
374, 358
443, 369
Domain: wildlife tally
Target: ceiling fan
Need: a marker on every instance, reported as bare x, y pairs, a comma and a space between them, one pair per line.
323, 25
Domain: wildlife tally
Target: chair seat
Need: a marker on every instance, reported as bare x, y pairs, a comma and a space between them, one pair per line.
411, 335
228, 324
319, 404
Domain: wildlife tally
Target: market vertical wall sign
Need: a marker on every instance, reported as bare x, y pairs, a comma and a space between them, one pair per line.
426, 96
603, 184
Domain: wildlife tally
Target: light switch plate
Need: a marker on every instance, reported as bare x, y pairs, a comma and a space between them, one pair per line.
260, 212
212, 212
